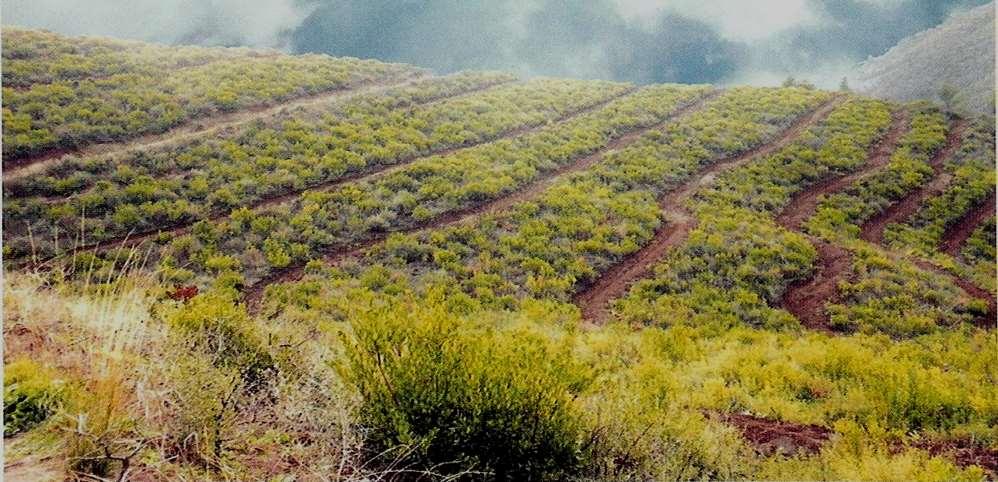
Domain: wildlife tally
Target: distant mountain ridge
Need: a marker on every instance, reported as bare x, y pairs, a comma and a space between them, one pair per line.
960, 53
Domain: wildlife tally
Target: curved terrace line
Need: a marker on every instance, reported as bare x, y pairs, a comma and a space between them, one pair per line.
594, 300
192, 128
334, 255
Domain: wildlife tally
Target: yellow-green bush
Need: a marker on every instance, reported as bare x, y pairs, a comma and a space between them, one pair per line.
214, 324
31, 394
465, 396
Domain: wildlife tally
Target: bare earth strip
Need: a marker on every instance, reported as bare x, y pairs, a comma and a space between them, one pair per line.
332, 256
18, 168
804, 204
873, 229
806, 299
769, 437
594, 300
956, 235
136, 238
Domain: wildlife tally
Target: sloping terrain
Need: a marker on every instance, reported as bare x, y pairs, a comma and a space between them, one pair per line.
959, 53
370, 272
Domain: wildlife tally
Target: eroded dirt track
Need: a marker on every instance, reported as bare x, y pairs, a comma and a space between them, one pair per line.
956, 235
806, 299
873, 229
804, 203
594, 300
964, 452
773, 437
293, 273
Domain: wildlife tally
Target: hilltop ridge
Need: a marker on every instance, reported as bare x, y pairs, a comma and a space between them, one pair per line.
959, 53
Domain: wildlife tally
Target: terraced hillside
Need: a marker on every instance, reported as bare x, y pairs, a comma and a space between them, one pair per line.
235, 264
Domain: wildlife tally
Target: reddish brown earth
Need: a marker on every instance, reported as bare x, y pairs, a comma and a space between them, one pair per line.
873, 229
20, 167
594, 300
254, 293
770, 437
134, 239
775, 437
804, 203
806, 299
964, 452
956, 235
974, 291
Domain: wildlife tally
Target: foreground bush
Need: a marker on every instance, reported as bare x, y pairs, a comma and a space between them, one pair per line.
214, 324
463, 397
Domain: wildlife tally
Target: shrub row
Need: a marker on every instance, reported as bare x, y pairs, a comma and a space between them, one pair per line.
69, 114
218, 177
972, 180
549, 246
737, 263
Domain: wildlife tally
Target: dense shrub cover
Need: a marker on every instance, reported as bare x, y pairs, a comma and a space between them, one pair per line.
737, 263
218, 176
466, 396
972, 179
549, 246
419, 191
35, 57
454, 352
67, 114
841, 214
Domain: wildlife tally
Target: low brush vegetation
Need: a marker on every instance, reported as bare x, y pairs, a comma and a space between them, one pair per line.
388, 286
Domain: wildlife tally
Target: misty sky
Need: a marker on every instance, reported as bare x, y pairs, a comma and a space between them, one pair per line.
718, 41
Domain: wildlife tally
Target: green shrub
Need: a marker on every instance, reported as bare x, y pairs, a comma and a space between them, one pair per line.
30, 395
462, 396
219, 327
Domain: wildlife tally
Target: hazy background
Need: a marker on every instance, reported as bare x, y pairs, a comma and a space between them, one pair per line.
719, 41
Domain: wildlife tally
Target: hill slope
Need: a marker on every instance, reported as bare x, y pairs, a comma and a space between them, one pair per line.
960, 53
398, 275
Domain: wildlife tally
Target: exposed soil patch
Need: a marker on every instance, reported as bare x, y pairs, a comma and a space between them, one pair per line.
804, 203
20, 167
873, 229
34, 470
771, 437
964, 452
594, 300
254, 293
956, 235
806, 299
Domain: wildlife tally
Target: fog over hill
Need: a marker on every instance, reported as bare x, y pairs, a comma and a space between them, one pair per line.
959, 53
645, 41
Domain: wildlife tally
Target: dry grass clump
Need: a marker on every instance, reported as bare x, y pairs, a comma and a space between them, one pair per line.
153, 388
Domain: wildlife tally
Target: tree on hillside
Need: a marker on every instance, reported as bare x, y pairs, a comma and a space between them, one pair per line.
792, 82
951, 97
844, 85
